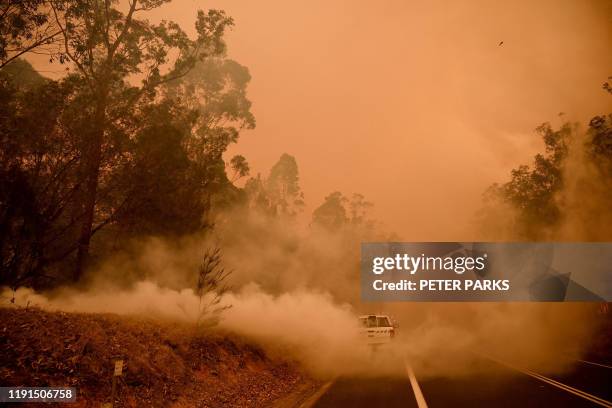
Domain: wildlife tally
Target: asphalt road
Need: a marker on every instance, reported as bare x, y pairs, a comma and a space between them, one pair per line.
502, 386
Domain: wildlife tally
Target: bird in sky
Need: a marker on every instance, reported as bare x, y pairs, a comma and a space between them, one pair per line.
500, 44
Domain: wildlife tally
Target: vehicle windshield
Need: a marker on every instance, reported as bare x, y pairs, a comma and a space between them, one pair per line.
374, 321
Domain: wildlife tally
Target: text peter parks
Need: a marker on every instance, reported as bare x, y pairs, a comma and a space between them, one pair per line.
483, 271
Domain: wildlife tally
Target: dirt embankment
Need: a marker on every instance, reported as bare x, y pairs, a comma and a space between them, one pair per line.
167, 364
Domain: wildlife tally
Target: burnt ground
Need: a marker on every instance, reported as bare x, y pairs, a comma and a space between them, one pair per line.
166, 364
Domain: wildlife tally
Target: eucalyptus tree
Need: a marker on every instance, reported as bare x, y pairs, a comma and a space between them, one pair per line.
108, 48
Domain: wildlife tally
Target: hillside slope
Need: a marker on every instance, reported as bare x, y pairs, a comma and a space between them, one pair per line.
167, 364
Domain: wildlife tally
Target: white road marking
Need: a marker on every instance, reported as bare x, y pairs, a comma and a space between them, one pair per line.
575, 391
596, 364
415, 387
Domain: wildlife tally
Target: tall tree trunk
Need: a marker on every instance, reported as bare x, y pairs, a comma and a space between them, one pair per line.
92, 159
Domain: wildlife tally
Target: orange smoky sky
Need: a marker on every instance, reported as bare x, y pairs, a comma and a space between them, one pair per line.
412, 103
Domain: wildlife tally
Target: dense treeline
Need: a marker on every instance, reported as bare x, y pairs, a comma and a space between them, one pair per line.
129, 143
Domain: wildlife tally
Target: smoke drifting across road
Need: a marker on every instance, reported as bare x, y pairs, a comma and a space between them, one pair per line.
296, 295
406, 103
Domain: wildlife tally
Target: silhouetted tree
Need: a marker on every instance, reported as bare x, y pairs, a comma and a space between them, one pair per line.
283, 187
25, 25
38, 176
338, 212
332, 213
106, 46
280, 193
533, 193
94, 151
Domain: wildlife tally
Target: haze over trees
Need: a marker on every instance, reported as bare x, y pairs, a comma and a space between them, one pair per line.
280, 193
128, 142
338, 212
565, 194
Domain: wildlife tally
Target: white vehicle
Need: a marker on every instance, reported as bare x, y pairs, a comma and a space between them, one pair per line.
378, 329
